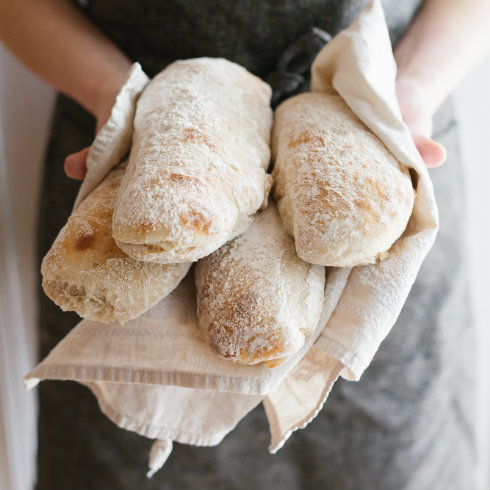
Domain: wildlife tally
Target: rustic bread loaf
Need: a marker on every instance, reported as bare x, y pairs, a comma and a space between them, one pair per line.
197, 168
85, 271
342, 195
257, 301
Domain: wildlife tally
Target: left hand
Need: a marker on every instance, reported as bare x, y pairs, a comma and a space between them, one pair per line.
76, 163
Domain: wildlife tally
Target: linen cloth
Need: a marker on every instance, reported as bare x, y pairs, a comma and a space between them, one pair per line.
357, 64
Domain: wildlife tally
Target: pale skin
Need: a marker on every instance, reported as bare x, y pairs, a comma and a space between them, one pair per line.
446, 40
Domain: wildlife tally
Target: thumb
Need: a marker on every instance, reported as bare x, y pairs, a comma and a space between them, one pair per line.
433, 153
76, 164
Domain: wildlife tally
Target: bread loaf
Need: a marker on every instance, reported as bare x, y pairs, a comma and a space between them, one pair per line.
342, 195
257, 301
197, 168
85, 271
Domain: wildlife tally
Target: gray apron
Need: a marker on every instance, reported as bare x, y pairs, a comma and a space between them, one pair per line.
408, 423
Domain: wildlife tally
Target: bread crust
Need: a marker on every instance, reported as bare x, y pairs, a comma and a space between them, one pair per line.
85, 271
197, 168
342, 195
257, 301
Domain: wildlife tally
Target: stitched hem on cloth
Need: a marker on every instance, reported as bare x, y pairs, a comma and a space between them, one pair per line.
140, 376
354, 364
279, 437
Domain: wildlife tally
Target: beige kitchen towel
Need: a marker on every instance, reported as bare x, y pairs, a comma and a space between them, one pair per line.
358, 64
161, 358
363, 73
163, 352
155, 375
165, 346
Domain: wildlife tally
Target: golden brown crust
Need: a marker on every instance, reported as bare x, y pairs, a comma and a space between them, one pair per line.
257, 300
85, 271
341, 194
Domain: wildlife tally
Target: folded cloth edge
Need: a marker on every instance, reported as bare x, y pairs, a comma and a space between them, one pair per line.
331, 369
333, 73
87, 374
147, 430
114, 139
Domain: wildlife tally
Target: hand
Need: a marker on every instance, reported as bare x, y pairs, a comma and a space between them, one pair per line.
76, 163
413, 105
70, 53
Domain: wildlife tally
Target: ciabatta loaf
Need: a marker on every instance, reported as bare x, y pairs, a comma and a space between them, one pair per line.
85, 271
257, 301
197, 168
342, 195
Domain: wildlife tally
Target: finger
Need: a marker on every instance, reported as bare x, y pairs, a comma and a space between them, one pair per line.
433, 153
76, 164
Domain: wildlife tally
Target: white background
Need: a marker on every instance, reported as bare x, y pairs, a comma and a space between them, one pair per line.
25, 108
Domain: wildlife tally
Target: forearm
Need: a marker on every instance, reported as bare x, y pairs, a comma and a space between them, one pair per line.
55, 40
446, 40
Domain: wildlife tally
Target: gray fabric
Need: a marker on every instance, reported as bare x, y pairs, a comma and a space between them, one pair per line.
252, 33
293, 74
407, 425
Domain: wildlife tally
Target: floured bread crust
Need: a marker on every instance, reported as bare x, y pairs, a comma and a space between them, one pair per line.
257, 301
342, 195
197, 168
85, 271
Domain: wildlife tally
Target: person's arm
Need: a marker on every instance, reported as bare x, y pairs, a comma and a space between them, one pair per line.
56, 41
446, 40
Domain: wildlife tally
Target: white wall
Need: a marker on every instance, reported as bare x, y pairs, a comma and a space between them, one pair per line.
473, 105
25, 105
